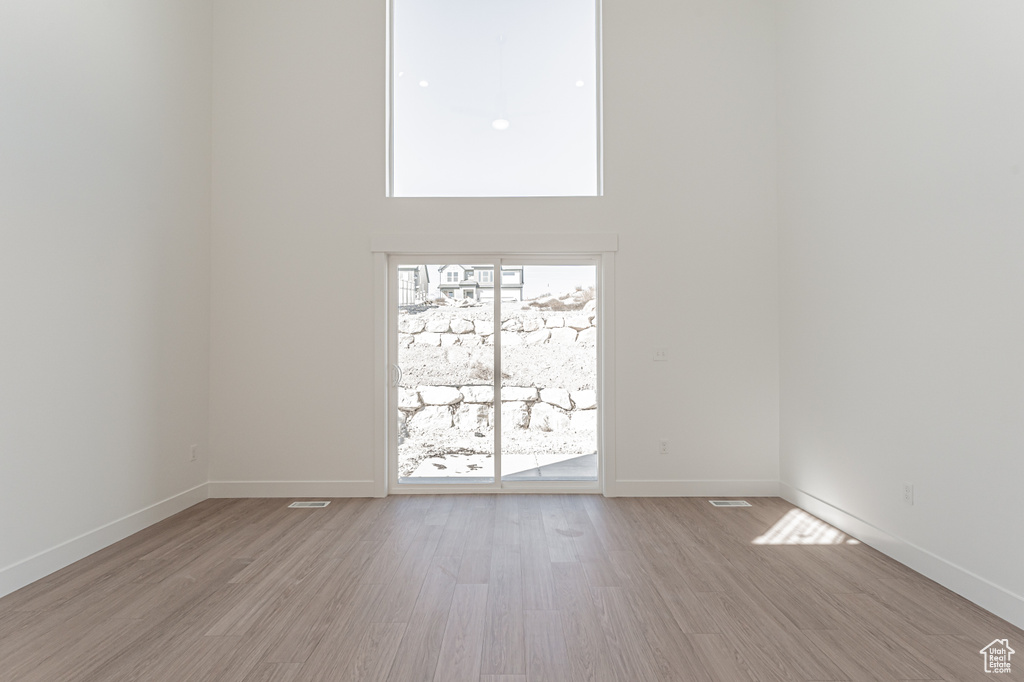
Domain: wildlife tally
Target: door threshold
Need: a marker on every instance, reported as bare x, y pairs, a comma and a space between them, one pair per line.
518, 488
445, 480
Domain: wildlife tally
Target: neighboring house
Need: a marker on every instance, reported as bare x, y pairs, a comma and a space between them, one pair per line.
477, 282
413, 282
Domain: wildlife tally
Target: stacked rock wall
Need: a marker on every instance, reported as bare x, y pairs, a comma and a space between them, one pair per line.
548, 374
474, 327
470, 408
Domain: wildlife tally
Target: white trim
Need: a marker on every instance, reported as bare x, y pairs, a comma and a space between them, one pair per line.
392, 484
599, 76
389, 429
725, 488
389, 104
606, 377
508, 488
971, 586
389, 109
44, 563
496, 402
381, 353
232, 489
398, 243
386, 327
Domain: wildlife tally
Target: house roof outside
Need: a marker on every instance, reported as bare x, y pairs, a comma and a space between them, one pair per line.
479, 267
423, 268
468, 283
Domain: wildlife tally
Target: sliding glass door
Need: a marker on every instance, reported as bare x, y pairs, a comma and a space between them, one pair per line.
470, 334
549, 374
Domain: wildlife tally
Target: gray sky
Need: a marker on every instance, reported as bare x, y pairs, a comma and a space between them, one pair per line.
556, 279
461, 65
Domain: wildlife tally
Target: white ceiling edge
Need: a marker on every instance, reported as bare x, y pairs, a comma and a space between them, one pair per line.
477, 243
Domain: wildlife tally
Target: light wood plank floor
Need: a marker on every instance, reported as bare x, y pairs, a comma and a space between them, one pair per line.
492, 588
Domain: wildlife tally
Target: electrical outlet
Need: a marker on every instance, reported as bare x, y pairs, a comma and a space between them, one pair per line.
908, 493
194, 453
663, 447
661, 354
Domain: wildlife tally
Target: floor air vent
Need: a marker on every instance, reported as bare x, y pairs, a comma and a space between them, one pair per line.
730, 503
308, 505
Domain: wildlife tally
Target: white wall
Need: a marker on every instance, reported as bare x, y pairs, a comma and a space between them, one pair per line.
299, 189
897, 152
902, 277
104, 271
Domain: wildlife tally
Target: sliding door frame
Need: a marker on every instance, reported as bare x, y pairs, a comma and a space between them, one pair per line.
394, 486
540, 249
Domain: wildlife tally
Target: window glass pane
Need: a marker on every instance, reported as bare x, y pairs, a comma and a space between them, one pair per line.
549, 375
494, 98
446, 379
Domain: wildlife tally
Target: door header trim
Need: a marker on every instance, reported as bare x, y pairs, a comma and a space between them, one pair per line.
533, 243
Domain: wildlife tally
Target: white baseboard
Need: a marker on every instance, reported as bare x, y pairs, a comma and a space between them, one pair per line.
696, 488
33, 568
292, 489
984, 593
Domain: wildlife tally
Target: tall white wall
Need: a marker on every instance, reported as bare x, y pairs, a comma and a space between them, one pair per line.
886, 136
902, 277
104, 271
298, 186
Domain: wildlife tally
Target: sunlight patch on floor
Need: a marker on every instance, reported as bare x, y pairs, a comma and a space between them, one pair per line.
798, 527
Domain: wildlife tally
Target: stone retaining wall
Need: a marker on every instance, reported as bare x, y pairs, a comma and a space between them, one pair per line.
469, 408
448, 327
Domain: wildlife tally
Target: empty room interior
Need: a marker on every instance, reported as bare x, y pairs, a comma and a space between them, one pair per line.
802, 237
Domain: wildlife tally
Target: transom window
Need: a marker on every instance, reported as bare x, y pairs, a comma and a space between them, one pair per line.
494, 99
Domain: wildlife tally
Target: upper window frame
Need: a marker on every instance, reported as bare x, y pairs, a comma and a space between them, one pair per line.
389, 165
